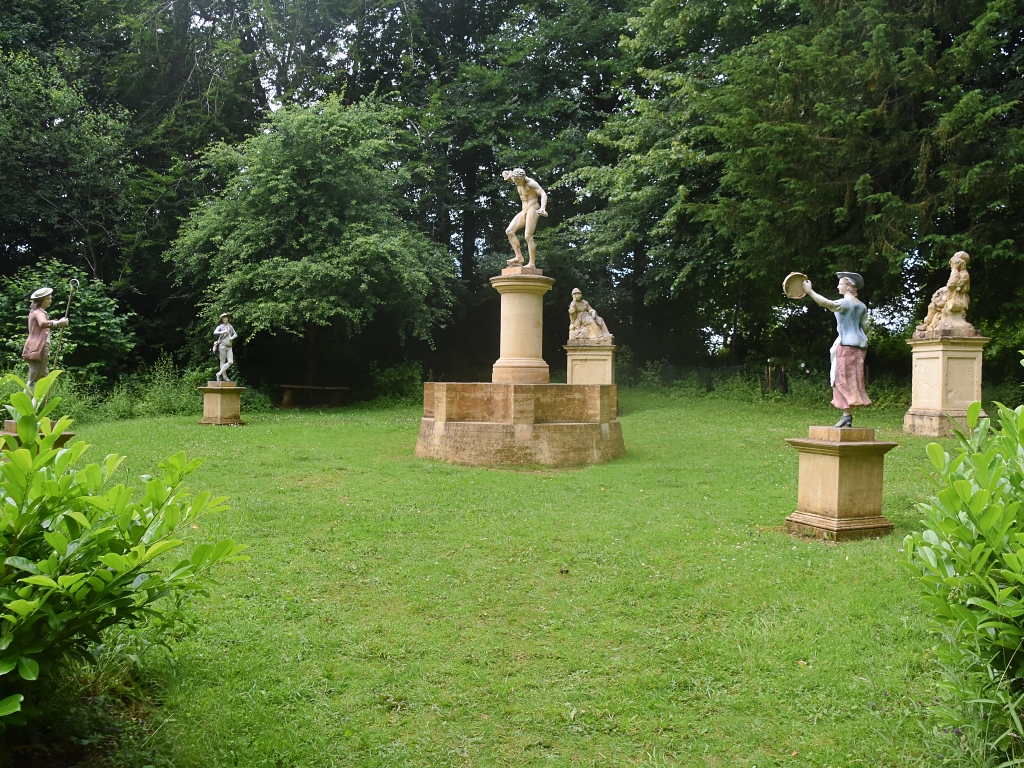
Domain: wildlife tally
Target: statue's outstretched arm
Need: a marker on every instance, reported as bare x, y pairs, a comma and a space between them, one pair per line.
820, 300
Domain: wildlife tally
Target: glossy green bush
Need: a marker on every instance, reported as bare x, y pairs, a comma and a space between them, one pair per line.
970, 561
81, 553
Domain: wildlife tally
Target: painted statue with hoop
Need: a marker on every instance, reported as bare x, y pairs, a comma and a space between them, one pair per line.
36, 351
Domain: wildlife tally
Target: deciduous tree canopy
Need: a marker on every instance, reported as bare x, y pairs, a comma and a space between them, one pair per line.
307, 228
336, 166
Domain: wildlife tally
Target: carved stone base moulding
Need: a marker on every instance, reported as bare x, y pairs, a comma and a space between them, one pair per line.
222, 403
840, 488
514, 424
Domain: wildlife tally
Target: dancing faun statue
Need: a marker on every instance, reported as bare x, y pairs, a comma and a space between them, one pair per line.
535, 201
224, 339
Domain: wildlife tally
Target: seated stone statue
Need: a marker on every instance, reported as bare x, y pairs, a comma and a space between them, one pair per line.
949, 304
584, 324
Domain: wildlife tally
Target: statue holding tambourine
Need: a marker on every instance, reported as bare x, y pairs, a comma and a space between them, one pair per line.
850, 347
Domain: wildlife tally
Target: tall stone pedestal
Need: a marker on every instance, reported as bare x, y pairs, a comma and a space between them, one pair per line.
590, 363
840, 492
222, 403
947, 378
522, 292
511, 424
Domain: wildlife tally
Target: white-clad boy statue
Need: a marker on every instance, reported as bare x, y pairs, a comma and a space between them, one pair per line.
224, 338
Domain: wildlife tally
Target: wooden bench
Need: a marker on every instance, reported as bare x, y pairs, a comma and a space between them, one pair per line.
335, 395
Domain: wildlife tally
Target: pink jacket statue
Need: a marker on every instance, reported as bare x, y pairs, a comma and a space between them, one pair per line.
39, 324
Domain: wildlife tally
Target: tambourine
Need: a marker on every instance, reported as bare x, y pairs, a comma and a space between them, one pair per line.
793, 285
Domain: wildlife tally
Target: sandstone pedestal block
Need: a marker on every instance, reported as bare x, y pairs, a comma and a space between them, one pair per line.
947, 378
590, 363
512, 424
222, 403
840, 492
11, 429
522, 292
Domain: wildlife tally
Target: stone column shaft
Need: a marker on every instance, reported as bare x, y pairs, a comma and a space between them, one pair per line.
522, 326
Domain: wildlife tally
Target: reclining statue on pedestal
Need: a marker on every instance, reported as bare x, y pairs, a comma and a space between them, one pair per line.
584, 324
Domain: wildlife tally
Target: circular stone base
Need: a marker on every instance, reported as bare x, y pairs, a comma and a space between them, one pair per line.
490, 443
557, 425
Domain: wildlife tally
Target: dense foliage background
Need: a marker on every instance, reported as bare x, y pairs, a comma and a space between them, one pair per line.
330, 171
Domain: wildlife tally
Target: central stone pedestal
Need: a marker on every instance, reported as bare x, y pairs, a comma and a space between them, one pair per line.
522, 292
552, 424
840, 492
947, 378
222, 403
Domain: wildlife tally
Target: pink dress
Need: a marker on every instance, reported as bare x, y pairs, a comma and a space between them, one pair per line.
848, 389
38, 335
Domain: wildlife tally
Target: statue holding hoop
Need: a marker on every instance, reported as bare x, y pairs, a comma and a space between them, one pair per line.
36, 351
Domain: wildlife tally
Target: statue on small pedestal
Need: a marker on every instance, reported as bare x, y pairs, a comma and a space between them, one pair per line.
850, 347
949, 304
224, 337
584, 324
37, 346
535, 201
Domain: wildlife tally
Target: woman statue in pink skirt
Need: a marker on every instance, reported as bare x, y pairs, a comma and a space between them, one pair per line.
849, 349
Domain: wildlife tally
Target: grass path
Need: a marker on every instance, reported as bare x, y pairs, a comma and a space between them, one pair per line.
650, 611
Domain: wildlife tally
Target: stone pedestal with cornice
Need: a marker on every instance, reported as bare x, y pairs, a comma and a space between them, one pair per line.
947, 378
589, 363
840, 487
222, 403
519, 418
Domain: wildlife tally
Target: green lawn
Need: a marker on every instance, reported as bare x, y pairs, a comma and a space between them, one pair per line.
648, 612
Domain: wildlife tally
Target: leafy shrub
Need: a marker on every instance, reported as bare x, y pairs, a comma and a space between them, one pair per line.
1008, 392
970, 562
625, 367
256, 400
80, 554
400, 383
160, 390
97, 344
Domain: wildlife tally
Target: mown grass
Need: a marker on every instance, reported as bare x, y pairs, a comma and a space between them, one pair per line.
650, 611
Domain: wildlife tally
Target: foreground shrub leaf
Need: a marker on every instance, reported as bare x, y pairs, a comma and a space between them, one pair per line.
11, 704
28, 668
